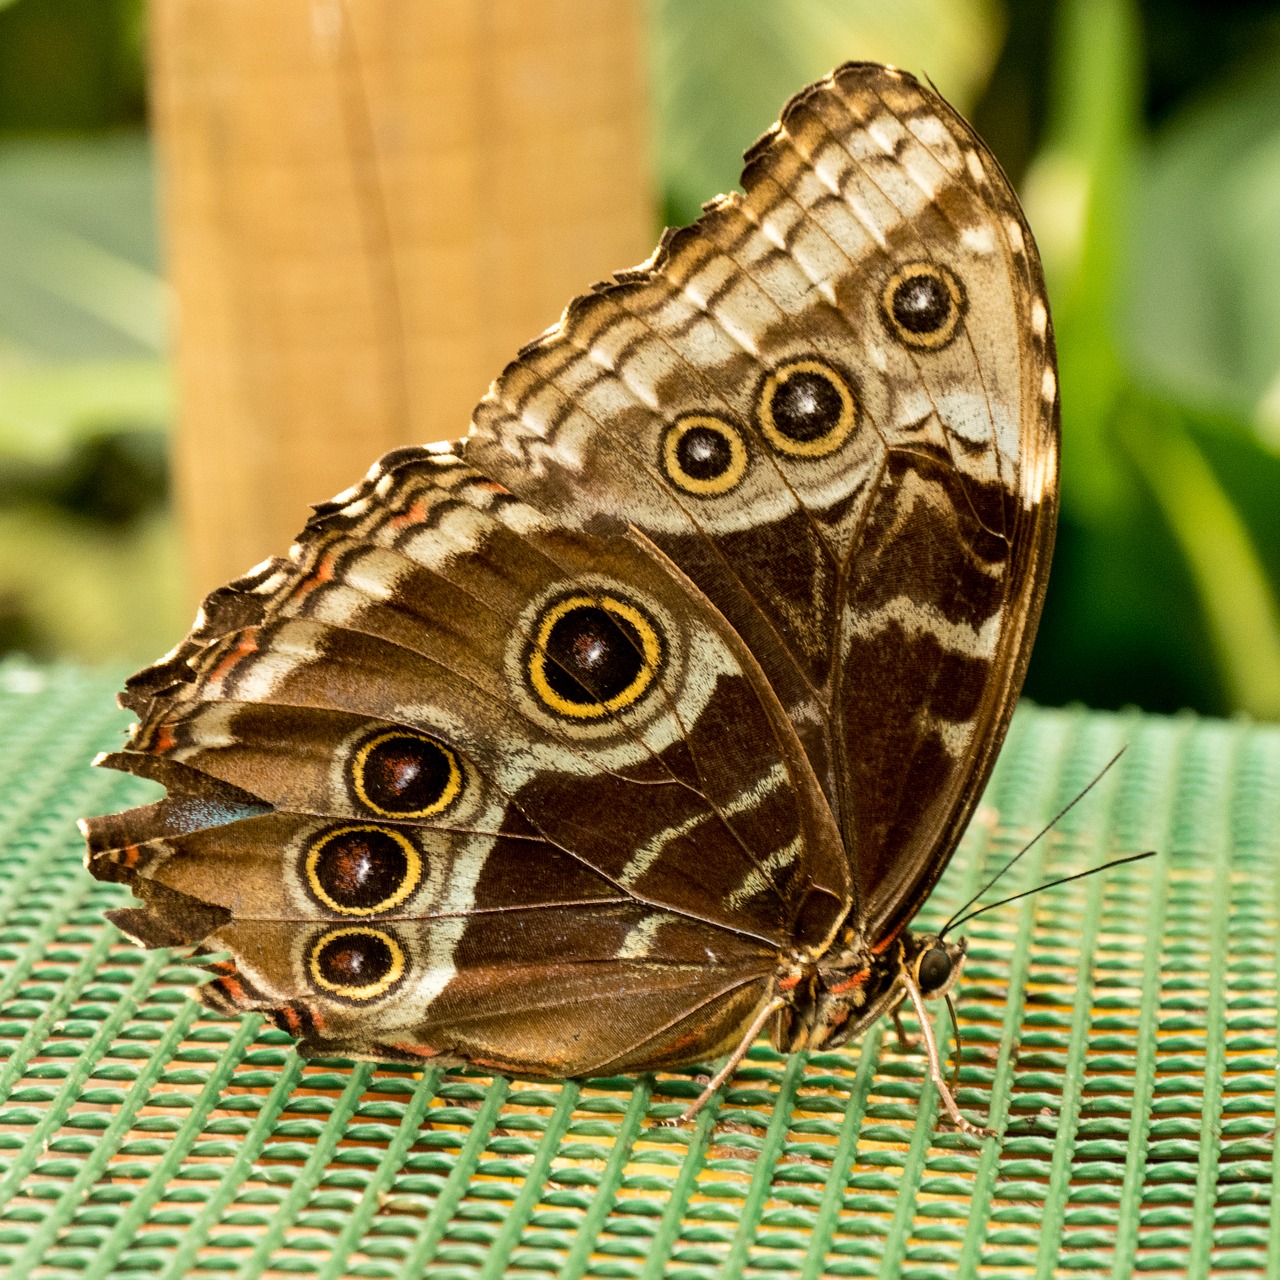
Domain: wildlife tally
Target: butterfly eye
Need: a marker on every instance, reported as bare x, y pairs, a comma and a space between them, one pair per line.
807, 409
923, 304
933, 971
362, 870
704, 455
356, 964
405, 775
592, 655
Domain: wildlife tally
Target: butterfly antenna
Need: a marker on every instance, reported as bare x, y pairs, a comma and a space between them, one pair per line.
1031, 844
1053, 884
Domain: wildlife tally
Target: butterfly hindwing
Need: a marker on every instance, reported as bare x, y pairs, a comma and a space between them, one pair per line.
430, 637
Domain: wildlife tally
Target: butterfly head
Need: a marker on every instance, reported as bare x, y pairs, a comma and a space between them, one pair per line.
857, 987
933, 963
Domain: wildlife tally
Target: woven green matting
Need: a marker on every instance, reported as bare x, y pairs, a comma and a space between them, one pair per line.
1121, 1031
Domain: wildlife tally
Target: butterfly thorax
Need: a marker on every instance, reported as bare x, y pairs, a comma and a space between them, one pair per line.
837, 996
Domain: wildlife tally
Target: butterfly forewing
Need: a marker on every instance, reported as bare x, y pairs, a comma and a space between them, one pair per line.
944, 582
557, 749
868, 321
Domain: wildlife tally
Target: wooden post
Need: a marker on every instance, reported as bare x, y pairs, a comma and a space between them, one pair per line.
370, 205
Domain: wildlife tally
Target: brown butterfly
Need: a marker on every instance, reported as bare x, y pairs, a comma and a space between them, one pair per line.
645, 717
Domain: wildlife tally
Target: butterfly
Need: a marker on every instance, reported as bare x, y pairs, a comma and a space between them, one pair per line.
643, 719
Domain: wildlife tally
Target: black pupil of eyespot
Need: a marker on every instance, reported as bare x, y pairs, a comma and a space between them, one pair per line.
406, 775
592, 655
806, 407
360, 869
922, 304
354, 960
935, 969
704, 453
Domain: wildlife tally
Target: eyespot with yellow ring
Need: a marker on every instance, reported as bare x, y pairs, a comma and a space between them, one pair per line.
362, 870
405, 774
807, 410
704, 455
356, 963
922, 304
592, 655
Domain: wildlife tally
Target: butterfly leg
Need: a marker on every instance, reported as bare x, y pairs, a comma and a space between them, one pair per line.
735, 1058
935, 1066
905, 1042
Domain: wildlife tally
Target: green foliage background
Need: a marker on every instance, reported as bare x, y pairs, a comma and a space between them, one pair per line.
1145, 138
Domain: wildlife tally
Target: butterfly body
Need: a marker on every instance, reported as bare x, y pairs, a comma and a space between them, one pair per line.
644, 718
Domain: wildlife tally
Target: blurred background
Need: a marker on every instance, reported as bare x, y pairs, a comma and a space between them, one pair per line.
1144, 138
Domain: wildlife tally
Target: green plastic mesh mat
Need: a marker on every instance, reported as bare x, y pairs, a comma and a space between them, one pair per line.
1120, 1031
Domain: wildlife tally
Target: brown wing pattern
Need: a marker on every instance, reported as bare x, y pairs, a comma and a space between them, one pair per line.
886, 565
381, 755
540, 750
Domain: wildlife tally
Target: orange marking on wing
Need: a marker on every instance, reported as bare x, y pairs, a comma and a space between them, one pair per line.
416, 514
683, 1041
247, 644
418, 1050
492, 486
131, 854
325, 571
789, 984
294, 1022
506, 1068
165, 739
232, 989
885, 943
853, 980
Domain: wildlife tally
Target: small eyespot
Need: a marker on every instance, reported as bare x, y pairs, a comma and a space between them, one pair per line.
356, 963
703, 455
362, 870
403, 774
593, 654
807, 410
922, 305
933, 970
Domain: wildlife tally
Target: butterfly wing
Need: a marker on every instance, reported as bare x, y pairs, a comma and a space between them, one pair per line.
450, 773
706, 636
833, 402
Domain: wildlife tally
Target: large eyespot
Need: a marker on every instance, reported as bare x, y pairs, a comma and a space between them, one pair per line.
704, 455
356, 963
593, 654
807, 409
933, 969
402, 774
362, 870
922, 305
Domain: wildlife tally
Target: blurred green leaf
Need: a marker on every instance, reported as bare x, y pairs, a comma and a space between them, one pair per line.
107, 286
1136, 446
1202, 317
45, 407
1075, 194
70, 588
1230, 578
88, 554
71, 64
721, 68
79, 274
